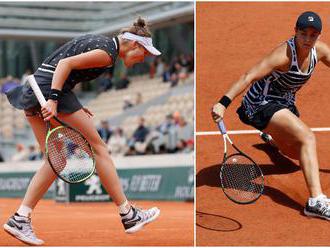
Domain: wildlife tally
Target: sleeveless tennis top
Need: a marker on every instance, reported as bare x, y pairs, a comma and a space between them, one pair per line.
74, 47
22, 97
279, 87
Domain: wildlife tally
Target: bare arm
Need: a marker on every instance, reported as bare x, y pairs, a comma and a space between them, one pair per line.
278, 59
323, 52
93, 59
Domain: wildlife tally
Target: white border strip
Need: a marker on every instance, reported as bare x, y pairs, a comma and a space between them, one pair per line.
46, 65
315, 129
45, 70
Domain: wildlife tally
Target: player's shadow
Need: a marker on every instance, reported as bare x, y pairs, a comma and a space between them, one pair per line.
286, 163
280, 165
325, 170
215, 222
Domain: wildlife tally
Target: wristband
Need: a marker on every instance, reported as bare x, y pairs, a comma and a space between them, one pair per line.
55, 94
225, 101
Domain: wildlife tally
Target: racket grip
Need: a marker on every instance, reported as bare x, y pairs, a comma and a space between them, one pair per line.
222, 127
36, 89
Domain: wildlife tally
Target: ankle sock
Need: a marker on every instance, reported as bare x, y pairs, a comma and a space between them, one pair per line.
24, 211
124, 208
312, 200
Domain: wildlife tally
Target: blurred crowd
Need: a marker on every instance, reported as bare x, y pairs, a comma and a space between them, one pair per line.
26, 153
173, 135
177, 69
9, 83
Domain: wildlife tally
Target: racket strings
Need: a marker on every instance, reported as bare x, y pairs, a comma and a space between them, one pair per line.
70, 155
241, 179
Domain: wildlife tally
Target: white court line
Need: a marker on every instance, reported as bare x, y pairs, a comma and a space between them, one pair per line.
315, 129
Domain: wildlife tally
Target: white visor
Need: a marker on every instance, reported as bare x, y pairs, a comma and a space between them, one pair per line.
146, 42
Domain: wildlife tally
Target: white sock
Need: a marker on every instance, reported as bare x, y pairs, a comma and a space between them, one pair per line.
24, 211
124, 208
312, 200
129, 214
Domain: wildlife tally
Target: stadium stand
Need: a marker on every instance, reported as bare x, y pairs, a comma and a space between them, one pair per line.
31, 30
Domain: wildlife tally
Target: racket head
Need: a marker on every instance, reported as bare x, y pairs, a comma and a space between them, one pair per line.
241, 179
69, 154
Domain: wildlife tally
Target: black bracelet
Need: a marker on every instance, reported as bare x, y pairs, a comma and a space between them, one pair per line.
55, 94
225, 101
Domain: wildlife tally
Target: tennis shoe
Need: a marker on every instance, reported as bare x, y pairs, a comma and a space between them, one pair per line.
136, 218
21, 228
320, 208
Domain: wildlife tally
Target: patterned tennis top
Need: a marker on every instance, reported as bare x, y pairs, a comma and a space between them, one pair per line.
278, 86
74, 47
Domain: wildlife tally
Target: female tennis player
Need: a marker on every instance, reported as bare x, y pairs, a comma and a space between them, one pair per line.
81, 59
269, 104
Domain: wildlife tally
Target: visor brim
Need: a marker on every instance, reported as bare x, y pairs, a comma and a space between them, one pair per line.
152, 50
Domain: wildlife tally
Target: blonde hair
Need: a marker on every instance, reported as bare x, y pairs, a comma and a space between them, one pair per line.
139, 28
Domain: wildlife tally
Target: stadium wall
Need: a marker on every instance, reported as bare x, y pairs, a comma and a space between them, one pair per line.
156, 177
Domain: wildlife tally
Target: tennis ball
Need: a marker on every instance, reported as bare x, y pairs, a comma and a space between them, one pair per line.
234, 160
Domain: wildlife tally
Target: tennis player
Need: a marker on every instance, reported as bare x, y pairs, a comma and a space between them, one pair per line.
81, 59
269, 104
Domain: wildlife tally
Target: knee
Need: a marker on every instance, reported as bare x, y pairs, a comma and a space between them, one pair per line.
308, 138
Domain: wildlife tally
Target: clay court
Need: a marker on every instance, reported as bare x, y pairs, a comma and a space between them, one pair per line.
98, 224
231, 38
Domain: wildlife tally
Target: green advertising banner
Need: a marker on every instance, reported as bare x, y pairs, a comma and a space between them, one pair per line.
15, 184
156, 177
174, 183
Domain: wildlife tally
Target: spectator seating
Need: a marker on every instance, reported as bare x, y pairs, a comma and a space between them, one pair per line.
110, 103
11, 119
154, 115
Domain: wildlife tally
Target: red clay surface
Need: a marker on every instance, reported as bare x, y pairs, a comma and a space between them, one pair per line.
98, 224
232, 37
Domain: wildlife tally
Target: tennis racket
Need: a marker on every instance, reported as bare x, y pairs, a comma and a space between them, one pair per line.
68, 152
241, 178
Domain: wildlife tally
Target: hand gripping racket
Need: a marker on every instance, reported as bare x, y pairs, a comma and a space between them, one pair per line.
241, 178
68, 152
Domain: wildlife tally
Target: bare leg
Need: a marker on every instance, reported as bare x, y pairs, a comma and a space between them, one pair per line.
104, 165
45, 176
133, 219
297, 141
38, 186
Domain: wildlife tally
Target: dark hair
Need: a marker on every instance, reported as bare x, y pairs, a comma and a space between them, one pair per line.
139, 28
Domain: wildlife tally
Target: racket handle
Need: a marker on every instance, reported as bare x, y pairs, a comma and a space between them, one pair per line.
36, 89
222, 127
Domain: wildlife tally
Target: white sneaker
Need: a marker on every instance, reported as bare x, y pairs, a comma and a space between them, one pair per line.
319, 209
20, 227
136, 218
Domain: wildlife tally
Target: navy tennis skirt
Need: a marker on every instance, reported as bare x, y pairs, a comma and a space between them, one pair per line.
22, 97
261, 118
